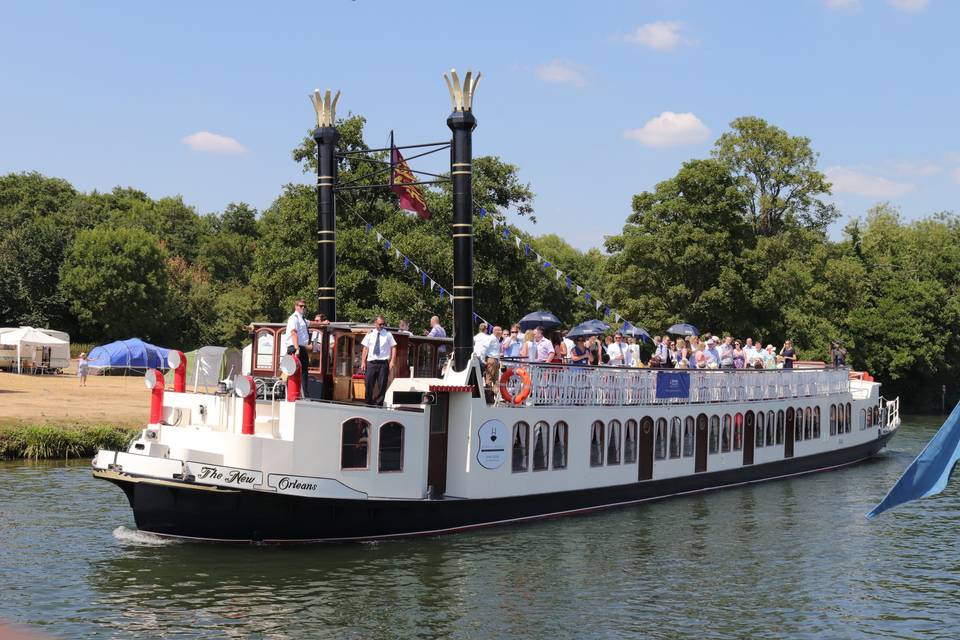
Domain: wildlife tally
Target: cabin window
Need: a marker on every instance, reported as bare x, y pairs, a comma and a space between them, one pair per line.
725, 434
816, 422
869, 418
761, 432
863, 419
613, 443
675, 438
771, 425
343, 356
521, 434
424, 367
541, 445
354, 444
660, 440
833, 419
807, 423
630, 442
265, 349
560, 445
391, 447
688, 428
846, 421
876, 416
596, 444
840, 419
738, 431
796, 418
780, 426
714, 438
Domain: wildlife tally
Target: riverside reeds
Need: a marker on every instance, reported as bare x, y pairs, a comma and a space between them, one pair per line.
45, 441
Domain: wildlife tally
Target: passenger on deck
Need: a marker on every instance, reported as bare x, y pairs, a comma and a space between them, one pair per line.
513, 344
487, 348
619, 353
838, 355
787, 354
579, 355
539, 349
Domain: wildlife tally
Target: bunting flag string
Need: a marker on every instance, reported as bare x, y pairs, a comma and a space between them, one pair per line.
545, 265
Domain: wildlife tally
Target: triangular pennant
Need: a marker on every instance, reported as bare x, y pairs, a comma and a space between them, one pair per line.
546, 264
617, 318
379, 237
526, 249
368, 227
423, 276
580, 290
626, 326
558, 274
398, 252
442, 292
517, 240
569, 282
586, 296
483, 212
406, 262
598, 304
606, 312
506, 232
387, 245
432, 283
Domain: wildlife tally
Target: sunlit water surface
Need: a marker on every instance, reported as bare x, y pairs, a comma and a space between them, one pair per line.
792, 558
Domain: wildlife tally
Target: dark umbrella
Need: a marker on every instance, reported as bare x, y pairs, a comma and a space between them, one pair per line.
682, 329
636, 332
589, 328
536, 319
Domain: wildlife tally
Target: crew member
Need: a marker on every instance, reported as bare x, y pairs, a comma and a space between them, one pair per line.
376, 361
295, 339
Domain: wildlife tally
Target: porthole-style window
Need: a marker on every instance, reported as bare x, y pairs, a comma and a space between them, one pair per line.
833, 419
761, 431
675, 438
560, 445
521, 452
714, 439
725, 433
771, 426
354, 444
807, 423
541, 445
596, 443
738, 431
613, 443
847, 417
816, 422
780, 426
660, 442
688, 437
630, 442
390, 457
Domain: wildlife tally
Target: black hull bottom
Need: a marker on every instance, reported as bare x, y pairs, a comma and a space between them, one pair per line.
185, 511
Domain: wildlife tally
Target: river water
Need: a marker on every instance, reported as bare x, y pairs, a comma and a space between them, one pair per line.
792, 558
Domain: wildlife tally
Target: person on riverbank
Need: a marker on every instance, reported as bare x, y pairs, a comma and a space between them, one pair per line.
83, 367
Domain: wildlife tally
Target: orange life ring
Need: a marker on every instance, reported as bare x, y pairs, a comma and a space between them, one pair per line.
524, 391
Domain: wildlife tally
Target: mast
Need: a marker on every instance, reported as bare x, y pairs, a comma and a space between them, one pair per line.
326, 136
462, 123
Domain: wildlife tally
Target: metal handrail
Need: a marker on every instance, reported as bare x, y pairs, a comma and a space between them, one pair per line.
567, 385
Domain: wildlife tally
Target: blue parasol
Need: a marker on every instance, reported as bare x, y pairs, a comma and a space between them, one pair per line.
636, 332
536, 319
682, 329
589, 328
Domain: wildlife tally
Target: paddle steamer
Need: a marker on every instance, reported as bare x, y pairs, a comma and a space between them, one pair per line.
444, 454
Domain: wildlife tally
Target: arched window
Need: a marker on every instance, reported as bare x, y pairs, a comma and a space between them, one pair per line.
630, 442
847, 419
596, 443
807, 423
263, 343
613, 443
833, 419
688, 429
675, 438
795, 417
424, 368
840, 419
354, 444
660, 442
771, 425
541, 445
714, 438
869, 416
816, 422
863, 419
761, 431
390, 457
521, 438
876, 416
725, 433
780, 426
738, 427
560, 445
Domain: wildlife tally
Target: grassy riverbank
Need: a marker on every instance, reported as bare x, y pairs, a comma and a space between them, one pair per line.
60, 441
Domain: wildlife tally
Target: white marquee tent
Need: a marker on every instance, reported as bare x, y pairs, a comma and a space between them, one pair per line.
29, 337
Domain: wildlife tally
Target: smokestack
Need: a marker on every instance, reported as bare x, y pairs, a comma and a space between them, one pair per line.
462, 123
326, 136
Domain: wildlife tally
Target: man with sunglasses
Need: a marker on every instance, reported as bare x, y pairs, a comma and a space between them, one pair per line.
296, 339
376, 361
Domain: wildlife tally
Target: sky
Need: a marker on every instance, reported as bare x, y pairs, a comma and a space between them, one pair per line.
594, 102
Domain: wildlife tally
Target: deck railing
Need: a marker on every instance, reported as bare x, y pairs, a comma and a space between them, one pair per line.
565, 385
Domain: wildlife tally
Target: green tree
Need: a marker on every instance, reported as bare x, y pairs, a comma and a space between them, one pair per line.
115, 281
778, 175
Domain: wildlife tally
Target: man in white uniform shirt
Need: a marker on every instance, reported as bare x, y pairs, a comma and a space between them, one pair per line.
295, 342
619, 353
487, 348
376, 360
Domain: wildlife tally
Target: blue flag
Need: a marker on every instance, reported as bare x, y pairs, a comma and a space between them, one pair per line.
928, 474
388, 244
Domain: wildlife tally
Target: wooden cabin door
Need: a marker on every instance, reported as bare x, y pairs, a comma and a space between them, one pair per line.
788, 435
700, 461
645, 462
437, 455
749, 426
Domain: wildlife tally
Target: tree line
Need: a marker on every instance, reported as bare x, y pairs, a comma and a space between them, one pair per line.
736, 243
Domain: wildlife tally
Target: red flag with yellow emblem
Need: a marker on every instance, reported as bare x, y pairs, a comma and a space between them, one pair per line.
411, 198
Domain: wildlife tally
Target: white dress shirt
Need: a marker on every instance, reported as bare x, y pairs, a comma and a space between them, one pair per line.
620, 355
296, 323
386, 344
486, 346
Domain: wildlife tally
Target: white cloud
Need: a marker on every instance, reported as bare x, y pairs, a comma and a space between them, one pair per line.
662, 36
213, 143
847, 180
917, 168
670, 129
842, 5
909, 5
562, 72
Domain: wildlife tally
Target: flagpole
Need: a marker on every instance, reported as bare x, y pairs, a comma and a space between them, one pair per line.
392, 165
